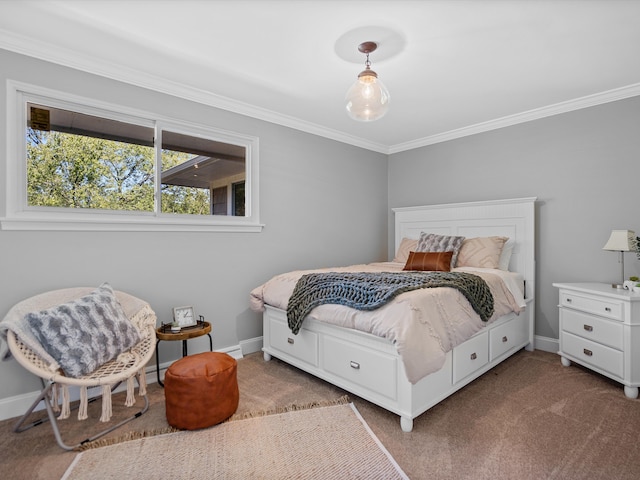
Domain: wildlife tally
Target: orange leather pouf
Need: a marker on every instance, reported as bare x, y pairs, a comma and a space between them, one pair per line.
201, 390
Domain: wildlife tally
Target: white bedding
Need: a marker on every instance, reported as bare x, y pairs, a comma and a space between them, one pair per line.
423, 324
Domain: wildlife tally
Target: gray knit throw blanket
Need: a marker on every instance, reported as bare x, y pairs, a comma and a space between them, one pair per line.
368, 291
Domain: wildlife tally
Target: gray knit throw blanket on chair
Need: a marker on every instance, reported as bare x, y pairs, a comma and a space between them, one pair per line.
368, 291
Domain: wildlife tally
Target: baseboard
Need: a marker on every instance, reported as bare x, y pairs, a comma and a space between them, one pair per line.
547, 344
251, 345
15, 406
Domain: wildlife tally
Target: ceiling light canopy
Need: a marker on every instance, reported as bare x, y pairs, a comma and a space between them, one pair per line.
368, 98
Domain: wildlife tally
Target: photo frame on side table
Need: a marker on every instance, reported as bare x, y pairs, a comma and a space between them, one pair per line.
184, 316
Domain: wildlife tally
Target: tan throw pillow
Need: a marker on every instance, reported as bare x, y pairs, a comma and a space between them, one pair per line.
429, 261
406, 245
482, 252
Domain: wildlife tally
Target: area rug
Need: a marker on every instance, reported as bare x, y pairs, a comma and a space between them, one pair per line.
323, 442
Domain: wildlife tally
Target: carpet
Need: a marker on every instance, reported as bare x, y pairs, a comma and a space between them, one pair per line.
321, 442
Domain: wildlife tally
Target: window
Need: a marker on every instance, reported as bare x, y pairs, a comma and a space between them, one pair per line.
78, 164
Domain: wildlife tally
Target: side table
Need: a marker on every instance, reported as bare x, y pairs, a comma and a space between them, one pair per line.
600, 330
187, 333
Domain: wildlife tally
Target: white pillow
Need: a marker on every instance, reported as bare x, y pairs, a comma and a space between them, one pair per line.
505, 255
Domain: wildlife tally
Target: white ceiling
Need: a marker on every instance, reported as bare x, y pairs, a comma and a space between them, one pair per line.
452, 67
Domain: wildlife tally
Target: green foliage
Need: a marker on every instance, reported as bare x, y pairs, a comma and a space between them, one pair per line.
74, 171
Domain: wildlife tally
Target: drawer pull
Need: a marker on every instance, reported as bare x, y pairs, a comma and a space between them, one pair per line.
505, 339
355, 365
568, 300
588, 328
290, 340
607, 309
474, 356
587, 352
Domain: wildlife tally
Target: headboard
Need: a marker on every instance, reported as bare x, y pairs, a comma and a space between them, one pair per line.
513, 218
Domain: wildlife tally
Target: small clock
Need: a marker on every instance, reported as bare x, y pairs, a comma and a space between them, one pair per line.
184, 316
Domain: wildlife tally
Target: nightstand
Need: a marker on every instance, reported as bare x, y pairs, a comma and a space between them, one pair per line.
600, 329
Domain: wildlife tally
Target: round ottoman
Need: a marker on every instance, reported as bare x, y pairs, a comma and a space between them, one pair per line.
201, 390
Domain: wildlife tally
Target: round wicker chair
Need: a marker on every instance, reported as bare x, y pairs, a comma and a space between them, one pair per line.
127, 366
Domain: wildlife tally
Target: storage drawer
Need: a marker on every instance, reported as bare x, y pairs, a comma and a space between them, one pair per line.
604, 358
597, 329
470, 356
303, 346
597, 306
374, 371
507, 336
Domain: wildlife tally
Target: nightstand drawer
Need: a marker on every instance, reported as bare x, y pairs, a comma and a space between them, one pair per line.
596, 329
605, 358
605, 308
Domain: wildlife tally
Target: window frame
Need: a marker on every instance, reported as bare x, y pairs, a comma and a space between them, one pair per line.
20, 216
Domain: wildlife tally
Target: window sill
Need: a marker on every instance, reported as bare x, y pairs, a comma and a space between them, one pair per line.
123, 224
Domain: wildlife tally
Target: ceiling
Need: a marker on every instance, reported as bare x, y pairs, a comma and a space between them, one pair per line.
453, 67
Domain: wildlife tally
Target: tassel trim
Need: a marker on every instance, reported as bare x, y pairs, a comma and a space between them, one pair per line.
106, 403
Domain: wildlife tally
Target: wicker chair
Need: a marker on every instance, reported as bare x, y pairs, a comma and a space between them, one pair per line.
55, 391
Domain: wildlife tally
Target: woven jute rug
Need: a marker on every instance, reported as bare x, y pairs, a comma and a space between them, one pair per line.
311, 442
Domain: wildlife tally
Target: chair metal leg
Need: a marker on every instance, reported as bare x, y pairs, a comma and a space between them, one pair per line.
44, 396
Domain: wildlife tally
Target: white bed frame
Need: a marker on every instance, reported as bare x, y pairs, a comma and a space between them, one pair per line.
370, 367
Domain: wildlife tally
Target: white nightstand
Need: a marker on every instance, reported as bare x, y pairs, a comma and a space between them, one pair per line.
600, 329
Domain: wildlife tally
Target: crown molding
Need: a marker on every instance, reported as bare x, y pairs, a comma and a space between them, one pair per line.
528, 116
68, 58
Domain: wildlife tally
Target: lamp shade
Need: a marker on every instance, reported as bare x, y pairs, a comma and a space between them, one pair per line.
621, 241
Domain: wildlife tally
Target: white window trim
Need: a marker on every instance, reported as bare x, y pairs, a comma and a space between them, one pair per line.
18, 216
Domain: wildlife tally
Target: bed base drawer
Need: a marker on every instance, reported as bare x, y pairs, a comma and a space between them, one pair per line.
374, 371
470, 356
512, 334
303, 346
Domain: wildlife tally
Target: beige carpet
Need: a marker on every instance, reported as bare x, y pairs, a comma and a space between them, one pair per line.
312, 443
528, 418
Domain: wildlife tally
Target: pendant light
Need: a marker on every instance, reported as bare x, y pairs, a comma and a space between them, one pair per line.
368, 98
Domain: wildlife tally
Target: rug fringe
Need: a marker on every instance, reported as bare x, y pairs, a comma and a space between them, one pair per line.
105, 442
289, 408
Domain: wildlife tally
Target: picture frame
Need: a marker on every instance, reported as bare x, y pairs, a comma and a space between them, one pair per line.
184, 316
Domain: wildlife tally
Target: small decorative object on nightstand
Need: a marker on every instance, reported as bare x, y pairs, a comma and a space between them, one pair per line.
600, 329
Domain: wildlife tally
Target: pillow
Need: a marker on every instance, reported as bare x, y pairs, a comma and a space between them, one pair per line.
483, 252
406, 245
429, 261
85, 333
505, 255
430, 242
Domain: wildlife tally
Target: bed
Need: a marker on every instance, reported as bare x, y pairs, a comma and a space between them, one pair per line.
373, 362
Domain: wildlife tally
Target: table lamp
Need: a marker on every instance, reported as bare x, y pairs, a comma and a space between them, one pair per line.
621, 241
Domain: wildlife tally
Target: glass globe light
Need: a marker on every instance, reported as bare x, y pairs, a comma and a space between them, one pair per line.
368, 98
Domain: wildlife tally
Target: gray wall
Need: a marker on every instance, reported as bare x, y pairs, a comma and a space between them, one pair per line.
323, 203
583, 166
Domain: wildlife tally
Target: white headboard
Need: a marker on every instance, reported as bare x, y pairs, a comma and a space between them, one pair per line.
513, 218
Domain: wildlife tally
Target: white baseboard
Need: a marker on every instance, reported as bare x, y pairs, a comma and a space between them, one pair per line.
547, 344
251, 345
16, 406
